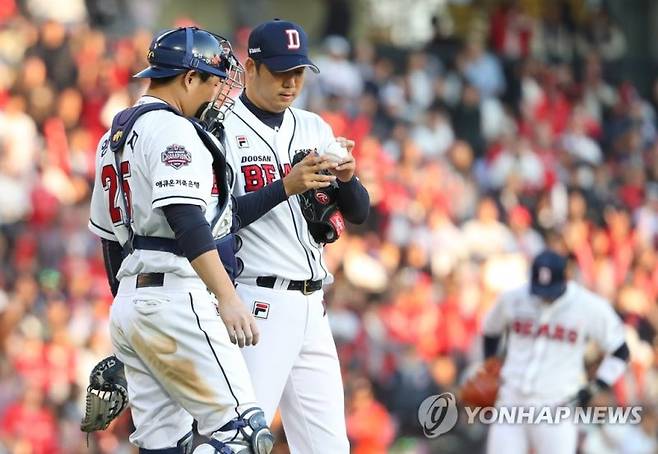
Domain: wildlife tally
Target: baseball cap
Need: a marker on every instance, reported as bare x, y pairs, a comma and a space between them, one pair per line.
280, 45
548, 275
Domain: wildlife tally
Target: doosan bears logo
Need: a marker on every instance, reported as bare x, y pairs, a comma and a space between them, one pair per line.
176, 156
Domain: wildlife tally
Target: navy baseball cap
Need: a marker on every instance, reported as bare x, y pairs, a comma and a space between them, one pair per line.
548, 276
280, 45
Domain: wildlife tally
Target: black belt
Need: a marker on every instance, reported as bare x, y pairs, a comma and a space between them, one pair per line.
156, 243
149, 280
306, 287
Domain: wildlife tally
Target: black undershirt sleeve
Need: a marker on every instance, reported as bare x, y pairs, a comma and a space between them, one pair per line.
353, 201
191, 229
112, 258
622, 353
250, 207
490, 346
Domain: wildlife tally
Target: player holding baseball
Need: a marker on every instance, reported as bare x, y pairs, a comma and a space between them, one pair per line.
549, 323
159, 215
295, 366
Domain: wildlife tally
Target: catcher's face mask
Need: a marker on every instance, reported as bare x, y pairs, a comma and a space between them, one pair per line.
213, 113
230, 86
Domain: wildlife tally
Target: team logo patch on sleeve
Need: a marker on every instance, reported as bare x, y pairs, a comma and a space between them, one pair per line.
261, 310
242, 141
176, 156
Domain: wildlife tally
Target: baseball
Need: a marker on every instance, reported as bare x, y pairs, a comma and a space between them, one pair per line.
336, 152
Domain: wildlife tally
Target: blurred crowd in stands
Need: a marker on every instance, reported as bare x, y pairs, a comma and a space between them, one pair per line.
478, 149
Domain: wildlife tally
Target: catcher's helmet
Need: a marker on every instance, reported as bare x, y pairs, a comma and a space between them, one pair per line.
175, 51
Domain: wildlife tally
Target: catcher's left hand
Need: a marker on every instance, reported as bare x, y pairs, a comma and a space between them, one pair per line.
107, 394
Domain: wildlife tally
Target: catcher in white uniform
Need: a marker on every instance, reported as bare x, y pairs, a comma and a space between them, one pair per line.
323, 424
276, 152
549, 323
159, 214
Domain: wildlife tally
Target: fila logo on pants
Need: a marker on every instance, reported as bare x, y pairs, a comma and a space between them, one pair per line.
261, 310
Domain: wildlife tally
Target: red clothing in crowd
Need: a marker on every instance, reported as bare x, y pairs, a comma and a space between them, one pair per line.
556, 110
370, 429
37, 427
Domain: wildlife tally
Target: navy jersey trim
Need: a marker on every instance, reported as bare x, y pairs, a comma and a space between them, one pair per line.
91, 221
179, 197
311, 241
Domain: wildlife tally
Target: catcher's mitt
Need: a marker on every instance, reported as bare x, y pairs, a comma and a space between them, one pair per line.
320, 209
481, 389
107, 394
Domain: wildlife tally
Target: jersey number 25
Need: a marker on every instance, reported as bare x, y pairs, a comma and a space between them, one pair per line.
110, 181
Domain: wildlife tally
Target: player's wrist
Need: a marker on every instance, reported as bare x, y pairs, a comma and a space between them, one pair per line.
287, 187
223, 293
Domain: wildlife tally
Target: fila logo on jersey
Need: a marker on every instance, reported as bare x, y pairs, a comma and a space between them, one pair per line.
261, 310
242, 141
176, 156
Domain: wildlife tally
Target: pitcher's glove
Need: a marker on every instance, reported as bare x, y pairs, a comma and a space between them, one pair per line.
481, 390
107, 394
320, 209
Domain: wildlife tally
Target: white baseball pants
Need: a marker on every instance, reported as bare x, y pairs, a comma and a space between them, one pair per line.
180, 363
295, 367
525, 438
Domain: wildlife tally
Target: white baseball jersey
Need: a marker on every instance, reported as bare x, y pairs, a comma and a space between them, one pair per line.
278, 243
546, 342
163, 162
295, 365
181, 365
